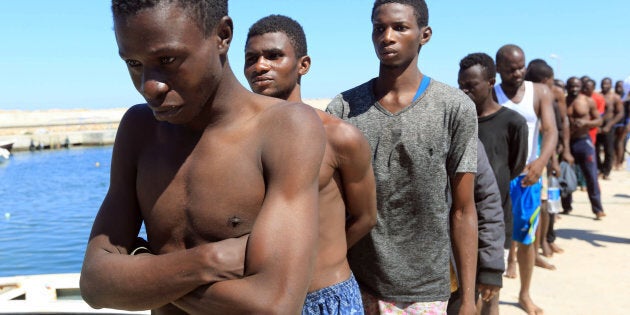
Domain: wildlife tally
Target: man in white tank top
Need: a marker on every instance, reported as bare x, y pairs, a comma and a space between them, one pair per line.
534, 102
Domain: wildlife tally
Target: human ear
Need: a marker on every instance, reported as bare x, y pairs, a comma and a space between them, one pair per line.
304, 65
426, 33
225, 29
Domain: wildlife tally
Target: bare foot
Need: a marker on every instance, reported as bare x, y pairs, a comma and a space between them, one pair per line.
528, 305
510, 271
543, 263
599, 215
546, 249
555, 248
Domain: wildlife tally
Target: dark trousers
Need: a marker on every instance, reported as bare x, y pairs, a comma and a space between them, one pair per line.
605, 142
583, 151
551, 234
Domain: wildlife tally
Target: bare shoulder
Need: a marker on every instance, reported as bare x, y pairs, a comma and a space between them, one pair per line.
137, 123
283, 114
541, 90
341, 135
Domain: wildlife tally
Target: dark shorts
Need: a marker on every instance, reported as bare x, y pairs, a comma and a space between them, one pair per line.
341, 298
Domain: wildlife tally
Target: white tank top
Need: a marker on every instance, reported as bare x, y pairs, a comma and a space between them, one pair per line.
526, 109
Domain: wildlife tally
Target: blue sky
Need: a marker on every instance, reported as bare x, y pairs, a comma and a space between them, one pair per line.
63, 54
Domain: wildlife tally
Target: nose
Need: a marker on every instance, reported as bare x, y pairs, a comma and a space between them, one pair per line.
262, 65
388, 36
153, 89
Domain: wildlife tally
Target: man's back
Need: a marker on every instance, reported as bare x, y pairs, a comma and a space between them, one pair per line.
346, 190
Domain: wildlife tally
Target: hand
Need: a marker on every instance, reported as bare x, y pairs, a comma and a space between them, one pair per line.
568, 157
555, 167
487, 291
579, 123
533, 170
467, 308
226, 258
605, 129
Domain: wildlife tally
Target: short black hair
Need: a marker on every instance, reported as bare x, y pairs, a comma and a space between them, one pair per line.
207, 13
420, 9
280, 23
505, 49
482, 59
538, 70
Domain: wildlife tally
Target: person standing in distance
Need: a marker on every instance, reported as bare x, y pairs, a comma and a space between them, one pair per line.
534, 102
503, 133
275, 61
423, 135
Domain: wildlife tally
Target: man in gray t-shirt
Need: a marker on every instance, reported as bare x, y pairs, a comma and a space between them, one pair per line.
419, 143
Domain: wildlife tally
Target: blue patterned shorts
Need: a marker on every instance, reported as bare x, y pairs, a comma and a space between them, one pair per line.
342, 298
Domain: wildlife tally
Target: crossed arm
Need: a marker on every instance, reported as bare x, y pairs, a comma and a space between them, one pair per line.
279, 256
357, 176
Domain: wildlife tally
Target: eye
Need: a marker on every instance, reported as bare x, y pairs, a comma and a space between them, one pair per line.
167, 60
274, 56
132, 63
400, 28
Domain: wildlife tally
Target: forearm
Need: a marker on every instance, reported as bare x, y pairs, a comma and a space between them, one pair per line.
358, 228
140, 282
550, 141
244, 296
617, 118
594, 123
464, 238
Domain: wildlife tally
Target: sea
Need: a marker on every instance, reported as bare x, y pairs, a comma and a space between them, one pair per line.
48, 201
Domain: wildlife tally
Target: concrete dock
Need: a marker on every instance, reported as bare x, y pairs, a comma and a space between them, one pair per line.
56, 128
49, 129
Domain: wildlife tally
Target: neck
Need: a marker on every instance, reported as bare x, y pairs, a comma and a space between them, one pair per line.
488, 107
397, 79
220, 104
511, 90
295, 95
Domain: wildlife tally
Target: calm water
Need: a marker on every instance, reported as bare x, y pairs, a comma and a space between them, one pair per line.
48, 200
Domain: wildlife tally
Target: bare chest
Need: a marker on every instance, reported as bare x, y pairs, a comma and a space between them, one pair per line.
209, 191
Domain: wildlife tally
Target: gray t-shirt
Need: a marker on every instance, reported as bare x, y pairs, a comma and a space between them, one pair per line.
406, 256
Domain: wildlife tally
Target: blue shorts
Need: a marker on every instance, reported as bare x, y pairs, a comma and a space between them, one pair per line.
525, 210
341, 298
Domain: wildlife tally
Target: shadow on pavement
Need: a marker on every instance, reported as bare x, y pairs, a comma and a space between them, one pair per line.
594, 239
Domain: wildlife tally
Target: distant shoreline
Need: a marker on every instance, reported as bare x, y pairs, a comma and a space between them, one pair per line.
52, 128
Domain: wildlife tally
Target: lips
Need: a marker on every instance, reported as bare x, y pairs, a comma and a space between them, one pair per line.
164, 112
260, 81
387, 52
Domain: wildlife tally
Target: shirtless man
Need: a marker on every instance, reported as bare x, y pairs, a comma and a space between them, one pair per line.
612, 115
275, 60
583, 116
539, 71
533, 101
613, 119
203, 160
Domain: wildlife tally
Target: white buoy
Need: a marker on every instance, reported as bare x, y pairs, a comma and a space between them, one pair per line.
7, 215
97, 164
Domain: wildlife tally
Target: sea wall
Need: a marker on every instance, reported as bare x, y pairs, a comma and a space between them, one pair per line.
56, 128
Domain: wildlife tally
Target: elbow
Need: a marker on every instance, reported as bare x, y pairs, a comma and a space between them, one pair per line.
89, 294
371, 221
280, 305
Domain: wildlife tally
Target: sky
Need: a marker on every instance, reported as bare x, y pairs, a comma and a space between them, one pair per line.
63, 54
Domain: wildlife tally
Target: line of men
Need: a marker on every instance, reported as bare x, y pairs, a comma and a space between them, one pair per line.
387, 202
